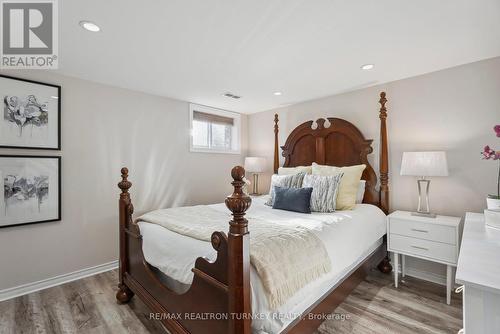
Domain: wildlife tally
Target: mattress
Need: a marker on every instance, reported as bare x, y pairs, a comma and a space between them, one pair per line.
349, 237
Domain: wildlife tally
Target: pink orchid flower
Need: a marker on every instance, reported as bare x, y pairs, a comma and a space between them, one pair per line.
488, 153
497, 130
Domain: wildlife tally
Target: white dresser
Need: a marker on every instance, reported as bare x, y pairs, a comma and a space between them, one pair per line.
479, 272
433, 239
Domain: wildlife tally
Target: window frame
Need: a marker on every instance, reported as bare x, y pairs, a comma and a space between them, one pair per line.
236, 136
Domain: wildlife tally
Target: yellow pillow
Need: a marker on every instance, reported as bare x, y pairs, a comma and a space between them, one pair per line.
346, 199
294, 170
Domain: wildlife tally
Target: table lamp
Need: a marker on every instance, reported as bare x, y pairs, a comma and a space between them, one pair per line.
422, 165
255, 165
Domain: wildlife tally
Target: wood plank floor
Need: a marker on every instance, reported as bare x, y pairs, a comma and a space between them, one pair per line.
88, 306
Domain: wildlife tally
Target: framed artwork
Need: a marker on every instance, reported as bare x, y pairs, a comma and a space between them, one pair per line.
31, 114
31, 189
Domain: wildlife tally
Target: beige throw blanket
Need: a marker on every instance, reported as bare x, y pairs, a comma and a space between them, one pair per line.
286, 257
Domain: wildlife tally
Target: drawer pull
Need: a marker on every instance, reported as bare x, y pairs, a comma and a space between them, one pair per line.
422, 248
417, 230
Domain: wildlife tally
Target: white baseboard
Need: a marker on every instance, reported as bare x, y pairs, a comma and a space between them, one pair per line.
54, 281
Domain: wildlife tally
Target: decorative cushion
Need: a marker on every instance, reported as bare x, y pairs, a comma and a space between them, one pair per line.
361, 192
294, 170
293, 199
346, 199
284, 181
325, 191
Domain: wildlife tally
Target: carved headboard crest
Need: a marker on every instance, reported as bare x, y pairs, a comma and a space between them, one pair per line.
339, 144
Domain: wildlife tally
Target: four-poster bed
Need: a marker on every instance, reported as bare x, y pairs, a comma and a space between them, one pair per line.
223, 287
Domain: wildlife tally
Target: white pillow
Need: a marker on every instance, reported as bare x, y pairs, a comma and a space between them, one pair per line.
361, 192
294, 170
325, 191
346, 199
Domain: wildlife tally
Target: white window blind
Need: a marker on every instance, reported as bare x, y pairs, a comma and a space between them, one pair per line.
211, 118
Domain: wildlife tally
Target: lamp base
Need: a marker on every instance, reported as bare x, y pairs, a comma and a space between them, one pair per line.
255, 190
424, 214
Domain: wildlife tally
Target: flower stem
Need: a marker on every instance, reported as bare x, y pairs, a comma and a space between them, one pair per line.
498, 181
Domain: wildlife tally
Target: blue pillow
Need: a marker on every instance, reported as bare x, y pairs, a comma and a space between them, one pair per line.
293, 199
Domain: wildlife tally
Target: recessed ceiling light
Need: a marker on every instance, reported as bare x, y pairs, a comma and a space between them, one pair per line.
277, 93
90, 26
55, 97
367, 66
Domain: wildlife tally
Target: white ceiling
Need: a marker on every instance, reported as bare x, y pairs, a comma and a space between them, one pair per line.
197, 50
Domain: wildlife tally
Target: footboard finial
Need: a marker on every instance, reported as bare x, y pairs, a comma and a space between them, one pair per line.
238, 202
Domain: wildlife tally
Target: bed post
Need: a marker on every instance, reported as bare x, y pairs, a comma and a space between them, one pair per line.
384, 157
239, 257
385, 265
276, 145
126, 209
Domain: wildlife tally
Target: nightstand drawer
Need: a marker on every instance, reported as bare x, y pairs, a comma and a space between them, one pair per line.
421, 230
423, 248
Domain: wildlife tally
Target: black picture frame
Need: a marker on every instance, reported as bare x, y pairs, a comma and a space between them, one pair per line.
59, 187
59, 101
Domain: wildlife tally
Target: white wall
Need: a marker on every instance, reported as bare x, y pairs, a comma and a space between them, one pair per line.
103, 129
452, 110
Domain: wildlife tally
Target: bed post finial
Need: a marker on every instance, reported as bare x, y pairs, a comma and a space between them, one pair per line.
124, 184
383, 110
276, 144
239, 257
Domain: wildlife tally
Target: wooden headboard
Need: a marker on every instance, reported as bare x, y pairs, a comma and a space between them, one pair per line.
340, 144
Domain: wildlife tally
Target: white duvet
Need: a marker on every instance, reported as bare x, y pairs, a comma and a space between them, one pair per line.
349, 236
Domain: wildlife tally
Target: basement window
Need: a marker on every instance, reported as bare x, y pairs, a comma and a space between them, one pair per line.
214, 130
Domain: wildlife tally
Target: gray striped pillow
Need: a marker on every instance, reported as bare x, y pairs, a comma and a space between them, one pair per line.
284, 181
325, 191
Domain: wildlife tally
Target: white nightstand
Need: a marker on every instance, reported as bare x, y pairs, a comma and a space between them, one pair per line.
433, 239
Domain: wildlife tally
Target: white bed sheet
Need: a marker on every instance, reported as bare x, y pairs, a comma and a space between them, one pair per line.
349, 237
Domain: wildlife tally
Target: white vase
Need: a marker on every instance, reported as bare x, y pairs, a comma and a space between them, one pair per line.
493, 203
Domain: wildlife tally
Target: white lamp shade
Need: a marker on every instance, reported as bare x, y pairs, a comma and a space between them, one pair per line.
255, 164
424, 164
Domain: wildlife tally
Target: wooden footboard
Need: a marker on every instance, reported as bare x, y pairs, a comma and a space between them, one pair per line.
218, 300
